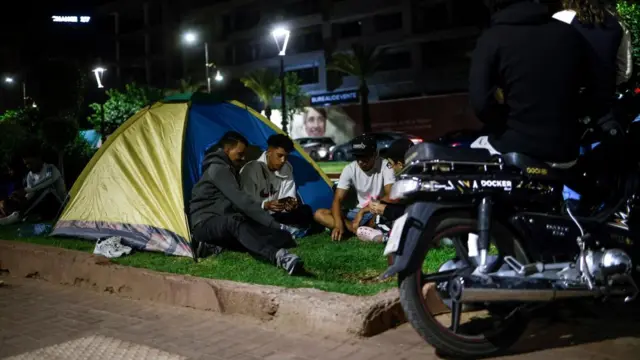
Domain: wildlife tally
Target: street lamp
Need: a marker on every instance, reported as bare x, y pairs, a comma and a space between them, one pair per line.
10, 80
281, 37
218, 76
191, 38
99, 72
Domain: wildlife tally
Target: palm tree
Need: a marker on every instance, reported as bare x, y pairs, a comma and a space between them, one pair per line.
263, 83
184, 86
362, 62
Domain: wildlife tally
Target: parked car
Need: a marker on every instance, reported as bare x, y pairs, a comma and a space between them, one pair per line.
383, 139
317, 147
460, 138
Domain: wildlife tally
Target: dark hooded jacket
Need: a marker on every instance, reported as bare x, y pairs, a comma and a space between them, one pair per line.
218, 193
540, 64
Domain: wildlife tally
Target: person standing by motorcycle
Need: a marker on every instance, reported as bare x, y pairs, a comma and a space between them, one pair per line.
540, 64
611, 62
609, 39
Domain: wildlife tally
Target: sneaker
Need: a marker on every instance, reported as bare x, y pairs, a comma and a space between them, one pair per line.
291, 263
111, 248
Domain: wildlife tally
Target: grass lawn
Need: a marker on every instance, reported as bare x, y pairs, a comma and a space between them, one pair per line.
349, 267
332, 167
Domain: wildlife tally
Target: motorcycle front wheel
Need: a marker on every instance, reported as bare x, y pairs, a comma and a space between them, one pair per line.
425, 302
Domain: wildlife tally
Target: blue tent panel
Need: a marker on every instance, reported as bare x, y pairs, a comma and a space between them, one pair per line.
92, 137
206, 123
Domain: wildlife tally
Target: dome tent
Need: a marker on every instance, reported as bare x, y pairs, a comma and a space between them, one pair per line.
138, 185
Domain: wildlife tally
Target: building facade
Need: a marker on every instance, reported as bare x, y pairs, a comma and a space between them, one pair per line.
427, 42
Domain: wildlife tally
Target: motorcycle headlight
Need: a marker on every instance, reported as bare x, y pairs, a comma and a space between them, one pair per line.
404, 187
322, 152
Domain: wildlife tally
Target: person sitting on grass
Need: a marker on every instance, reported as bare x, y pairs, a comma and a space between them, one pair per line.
223, 215
269, 181
388, 211
370, 176
43, 194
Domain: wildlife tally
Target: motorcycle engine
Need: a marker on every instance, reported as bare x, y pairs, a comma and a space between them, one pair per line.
603, 264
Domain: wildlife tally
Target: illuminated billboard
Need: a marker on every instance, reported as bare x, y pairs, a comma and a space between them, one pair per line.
71, 19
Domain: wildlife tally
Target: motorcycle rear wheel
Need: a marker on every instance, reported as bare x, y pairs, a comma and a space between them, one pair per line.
443, 339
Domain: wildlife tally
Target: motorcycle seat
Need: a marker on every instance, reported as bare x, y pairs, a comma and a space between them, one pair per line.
436, 152
532, 167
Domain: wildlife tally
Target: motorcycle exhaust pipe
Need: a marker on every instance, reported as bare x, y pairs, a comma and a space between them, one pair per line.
521, 295
513, 290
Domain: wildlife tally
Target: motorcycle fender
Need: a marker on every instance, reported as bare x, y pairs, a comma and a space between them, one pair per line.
418, 227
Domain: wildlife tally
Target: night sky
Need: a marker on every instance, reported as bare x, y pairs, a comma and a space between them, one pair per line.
27, 32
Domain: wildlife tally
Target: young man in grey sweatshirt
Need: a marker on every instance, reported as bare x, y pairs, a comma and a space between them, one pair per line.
269, 181
222, 214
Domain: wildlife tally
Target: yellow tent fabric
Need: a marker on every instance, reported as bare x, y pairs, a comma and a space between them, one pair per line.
134, 184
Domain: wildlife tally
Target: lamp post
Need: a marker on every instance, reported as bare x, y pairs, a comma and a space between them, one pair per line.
99, 72
191, 37
281, 37
10, 80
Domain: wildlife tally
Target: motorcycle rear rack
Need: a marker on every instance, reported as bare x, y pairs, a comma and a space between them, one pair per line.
438, 164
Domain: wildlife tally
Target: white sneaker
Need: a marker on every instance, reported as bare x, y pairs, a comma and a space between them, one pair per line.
11, 219
111, 248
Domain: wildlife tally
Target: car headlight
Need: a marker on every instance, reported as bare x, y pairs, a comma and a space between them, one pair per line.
404, 187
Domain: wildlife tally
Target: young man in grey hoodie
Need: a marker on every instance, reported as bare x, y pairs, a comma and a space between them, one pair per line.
269, 181
222, 214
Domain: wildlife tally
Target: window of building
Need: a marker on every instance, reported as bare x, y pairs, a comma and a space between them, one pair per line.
387, 22
446, 52
131, 22
157, 43
395, 60
155, 14
430, 17
302, 8
466, 13
246, 19
228, 55
132, 46
348, 30
226, 26
306, 40
307, 75
244, 53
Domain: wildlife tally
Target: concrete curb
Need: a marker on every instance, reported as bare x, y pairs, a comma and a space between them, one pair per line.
309, 309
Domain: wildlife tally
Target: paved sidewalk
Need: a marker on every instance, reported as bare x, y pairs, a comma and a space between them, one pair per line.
43, 321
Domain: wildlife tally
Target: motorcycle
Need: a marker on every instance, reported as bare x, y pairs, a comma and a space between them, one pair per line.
516, 243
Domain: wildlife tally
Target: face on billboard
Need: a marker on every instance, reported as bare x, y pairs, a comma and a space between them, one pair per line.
329, 122
314, 121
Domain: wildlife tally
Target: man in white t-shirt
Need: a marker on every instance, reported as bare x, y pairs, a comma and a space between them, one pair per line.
370, 176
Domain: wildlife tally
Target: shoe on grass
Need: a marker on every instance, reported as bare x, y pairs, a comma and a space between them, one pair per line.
291, 263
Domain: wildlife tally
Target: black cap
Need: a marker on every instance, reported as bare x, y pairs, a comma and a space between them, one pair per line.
363, 145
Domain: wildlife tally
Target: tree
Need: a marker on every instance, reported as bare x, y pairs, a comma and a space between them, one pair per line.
630, 13
362, 62
185, 86
265, 84
296, 99
60, 87
16, 126
122, 105
58, 133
